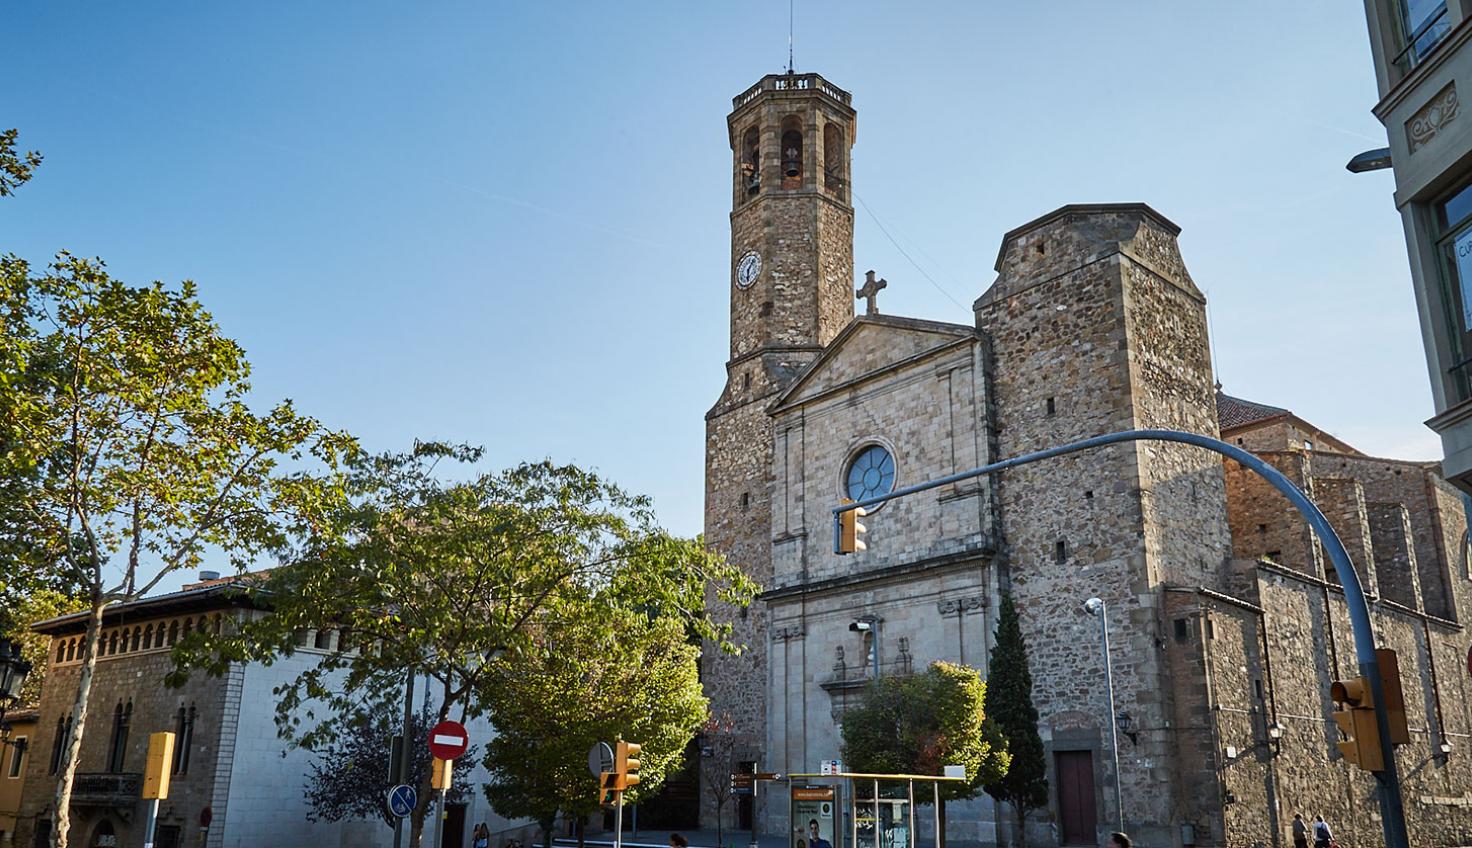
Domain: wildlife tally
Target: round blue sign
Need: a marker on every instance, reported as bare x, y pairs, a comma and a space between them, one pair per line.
402, 799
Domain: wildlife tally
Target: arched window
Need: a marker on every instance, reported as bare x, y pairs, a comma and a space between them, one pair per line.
751, 162
71, 649
112, 643
173, 631
63, 729
184, 739
148, 637
61, 650
792, 152
219, 624
122, 717
188, 626
834, 179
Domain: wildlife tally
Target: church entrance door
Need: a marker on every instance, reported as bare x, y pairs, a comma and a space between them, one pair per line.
1076, 811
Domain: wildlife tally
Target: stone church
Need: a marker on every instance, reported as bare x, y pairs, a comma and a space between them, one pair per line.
1227, 624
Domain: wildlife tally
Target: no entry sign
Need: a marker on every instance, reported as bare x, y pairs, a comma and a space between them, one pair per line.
448, 740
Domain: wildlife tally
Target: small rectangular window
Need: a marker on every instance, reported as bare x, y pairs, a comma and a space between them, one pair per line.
1262, 528
1052, 407
17, 752
1257, 687
1060, 551
1273, 555
1423, 24
1182, 629
1210, 629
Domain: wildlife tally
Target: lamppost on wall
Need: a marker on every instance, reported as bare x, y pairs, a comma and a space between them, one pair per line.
869, 624
13, 671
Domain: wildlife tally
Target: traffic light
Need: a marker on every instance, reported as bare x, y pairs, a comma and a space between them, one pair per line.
1395, 699
850, 530
626, 764
607, 784
1356, 720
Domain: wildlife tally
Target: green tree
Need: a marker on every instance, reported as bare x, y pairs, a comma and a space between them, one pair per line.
38, 605
1009, 705
15, 167
592, 680
350, 778
719, 741
129, 451
919, 724
454, 580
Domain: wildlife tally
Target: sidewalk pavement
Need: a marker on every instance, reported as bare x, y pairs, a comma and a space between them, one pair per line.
661, 839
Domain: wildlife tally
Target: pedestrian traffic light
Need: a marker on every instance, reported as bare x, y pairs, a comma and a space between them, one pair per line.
849, 530
1356, 720
607, 784
626, 764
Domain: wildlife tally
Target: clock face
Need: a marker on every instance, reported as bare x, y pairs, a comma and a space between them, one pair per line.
748, 268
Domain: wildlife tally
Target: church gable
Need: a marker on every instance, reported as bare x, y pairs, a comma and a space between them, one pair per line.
870, 345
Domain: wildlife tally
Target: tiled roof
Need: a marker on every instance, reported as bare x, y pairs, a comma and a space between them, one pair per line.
1234, 412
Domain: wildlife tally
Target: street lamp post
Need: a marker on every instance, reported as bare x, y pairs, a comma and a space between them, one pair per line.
1097, 608
1392, 809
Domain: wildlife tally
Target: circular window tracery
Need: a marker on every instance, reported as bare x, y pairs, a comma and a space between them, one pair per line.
870, 473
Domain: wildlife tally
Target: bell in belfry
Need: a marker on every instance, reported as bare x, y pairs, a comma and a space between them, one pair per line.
791, 162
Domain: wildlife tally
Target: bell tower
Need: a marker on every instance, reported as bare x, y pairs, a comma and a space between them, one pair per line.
791, 286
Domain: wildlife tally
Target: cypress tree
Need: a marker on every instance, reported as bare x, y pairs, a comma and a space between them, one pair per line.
1009, 705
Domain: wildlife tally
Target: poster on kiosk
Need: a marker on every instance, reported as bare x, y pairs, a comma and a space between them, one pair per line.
815, 820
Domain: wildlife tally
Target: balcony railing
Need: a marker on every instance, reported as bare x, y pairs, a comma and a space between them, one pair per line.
791, 82
102, 789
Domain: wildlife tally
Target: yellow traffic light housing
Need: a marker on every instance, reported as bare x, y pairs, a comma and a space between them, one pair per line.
1356, 720
626, 764
441, 773
850, 530
1395, 699
607, 785
160, 761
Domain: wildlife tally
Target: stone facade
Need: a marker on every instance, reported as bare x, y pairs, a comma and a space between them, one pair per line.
1226, 627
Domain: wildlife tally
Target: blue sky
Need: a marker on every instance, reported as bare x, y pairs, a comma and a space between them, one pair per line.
507, 223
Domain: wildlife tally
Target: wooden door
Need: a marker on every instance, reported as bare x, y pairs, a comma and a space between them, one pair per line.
454, 835
1077, 817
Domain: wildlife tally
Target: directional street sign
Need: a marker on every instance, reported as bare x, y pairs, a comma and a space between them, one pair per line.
448, 740
402, 799
600, 758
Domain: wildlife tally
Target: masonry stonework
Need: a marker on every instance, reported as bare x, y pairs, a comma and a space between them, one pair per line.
1227, 630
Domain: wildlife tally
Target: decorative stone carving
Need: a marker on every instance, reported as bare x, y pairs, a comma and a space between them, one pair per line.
961, 606
1437, 113
782, 634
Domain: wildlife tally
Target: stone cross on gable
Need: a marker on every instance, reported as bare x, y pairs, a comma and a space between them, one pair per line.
870, 290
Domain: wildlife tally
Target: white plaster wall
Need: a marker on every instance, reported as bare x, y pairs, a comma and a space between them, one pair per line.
266, 803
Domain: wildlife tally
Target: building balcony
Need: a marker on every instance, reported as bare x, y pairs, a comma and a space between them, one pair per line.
105, 789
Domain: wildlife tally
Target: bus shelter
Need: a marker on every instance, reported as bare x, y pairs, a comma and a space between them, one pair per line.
880, 808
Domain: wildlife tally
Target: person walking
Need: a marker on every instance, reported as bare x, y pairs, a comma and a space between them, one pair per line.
481, 836
1119, 840
1300, 831
1323, 837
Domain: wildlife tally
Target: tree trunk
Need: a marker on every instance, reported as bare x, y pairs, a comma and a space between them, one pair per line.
546, 825
1021, 824
79, 720
582, 826
720, 825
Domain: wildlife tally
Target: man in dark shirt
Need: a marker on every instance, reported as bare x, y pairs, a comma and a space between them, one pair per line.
816, 840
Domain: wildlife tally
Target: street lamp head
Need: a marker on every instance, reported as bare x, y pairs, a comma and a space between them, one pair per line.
862, 625
1094, 606
13, 671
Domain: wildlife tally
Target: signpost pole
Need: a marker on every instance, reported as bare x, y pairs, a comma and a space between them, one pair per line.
404, 756
756, 794
910, 841
939, 840
618, 819
439, 821
149, 822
